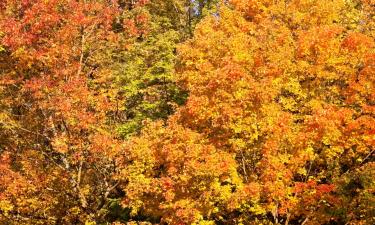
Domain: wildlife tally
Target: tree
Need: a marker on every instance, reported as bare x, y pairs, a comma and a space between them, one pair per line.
145, 70
277, 127
174, 175
285, 87
71, 72
57, 105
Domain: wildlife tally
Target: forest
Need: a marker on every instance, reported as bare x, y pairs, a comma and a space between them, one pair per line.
179, 112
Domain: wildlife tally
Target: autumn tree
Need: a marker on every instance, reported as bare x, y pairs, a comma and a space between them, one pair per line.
285, 88
278, 126
57, 108
71, 73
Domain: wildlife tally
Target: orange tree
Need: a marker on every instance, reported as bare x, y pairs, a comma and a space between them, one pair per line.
279, 124
58, 106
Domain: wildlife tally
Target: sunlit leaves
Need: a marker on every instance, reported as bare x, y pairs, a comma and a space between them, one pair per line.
278, 127
58, 90
279, 85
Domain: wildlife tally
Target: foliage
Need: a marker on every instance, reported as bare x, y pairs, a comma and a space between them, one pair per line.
286, 88
55, 110
144, 70
263, 115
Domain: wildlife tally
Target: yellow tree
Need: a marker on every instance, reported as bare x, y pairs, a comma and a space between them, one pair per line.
286, 88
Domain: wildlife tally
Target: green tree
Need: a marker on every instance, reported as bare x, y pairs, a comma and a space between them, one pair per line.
145, 70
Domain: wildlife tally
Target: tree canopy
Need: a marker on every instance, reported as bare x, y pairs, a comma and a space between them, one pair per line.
187, 112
